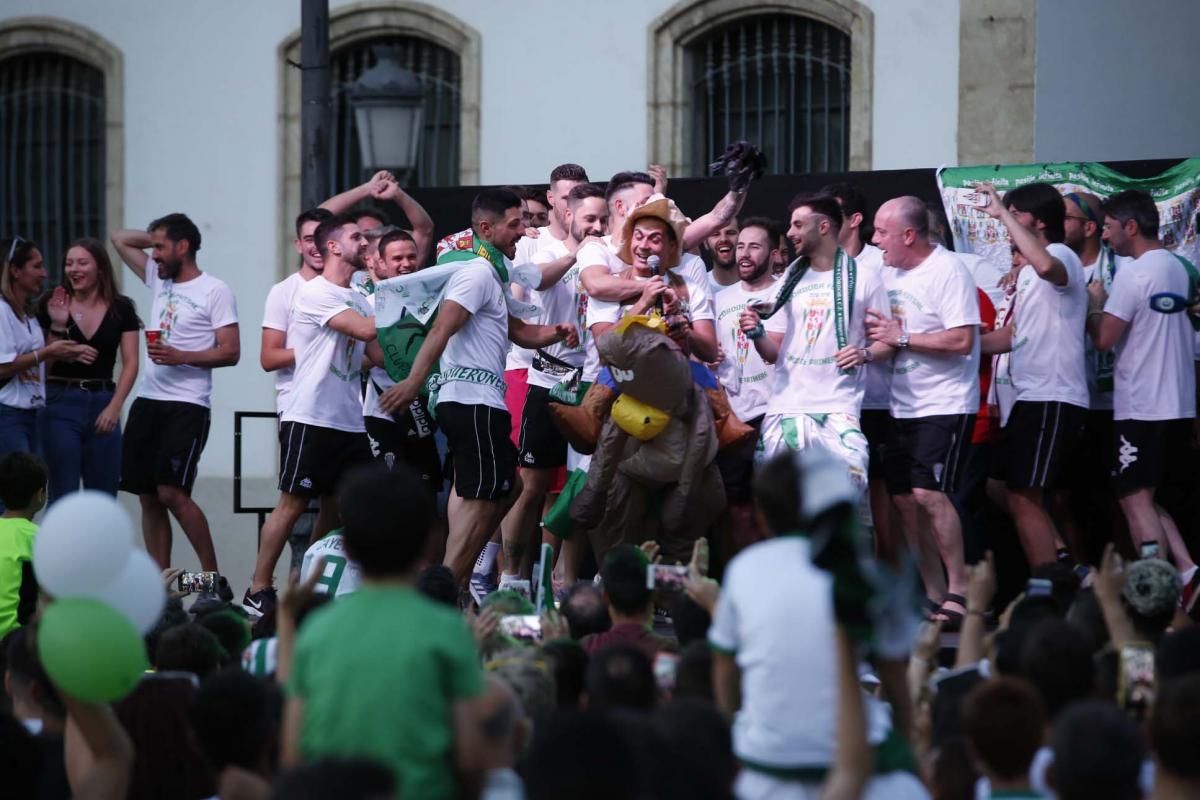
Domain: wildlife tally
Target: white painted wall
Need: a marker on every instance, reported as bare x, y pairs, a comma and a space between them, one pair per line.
1114, 80
563, 80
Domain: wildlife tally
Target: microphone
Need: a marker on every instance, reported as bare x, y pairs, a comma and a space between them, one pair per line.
652, 262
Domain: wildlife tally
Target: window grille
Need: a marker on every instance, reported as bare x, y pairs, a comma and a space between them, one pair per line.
779, 81
52, 152
440, 72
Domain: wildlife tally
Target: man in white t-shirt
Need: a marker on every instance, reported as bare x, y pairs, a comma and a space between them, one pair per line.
275, 354
741, 370
722, 247
469, 340
406, 437
934, 325
552, 235
1047, 365
192, 329
775, 659
1089, 472
542, 449
1154, 399
875, 419
815, 334
321, 433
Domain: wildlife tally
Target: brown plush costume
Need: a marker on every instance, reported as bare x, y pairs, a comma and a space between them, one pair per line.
635, 461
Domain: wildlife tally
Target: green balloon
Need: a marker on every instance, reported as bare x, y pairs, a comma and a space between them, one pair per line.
90, 650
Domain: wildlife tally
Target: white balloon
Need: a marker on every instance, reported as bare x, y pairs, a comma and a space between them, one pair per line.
82, 544
137, 592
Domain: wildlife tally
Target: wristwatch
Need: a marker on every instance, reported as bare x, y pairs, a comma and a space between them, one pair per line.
867, 355
902, 342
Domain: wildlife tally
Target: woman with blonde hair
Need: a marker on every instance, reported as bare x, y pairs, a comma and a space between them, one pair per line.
81, 425
24, 351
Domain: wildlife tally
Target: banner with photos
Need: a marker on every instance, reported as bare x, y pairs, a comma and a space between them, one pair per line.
1176, 192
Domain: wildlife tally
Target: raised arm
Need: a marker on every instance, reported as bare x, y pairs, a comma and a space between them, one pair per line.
131, 247
1048, 267
341, 203
414, 212
722, 214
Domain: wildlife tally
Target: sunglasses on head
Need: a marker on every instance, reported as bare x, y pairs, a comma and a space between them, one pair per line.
17, 241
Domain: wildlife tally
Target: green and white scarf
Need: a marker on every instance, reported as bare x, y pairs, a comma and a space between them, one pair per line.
844, 283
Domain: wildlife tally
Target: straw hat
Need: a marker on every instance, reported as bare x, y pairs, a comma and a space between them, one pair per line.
659, 207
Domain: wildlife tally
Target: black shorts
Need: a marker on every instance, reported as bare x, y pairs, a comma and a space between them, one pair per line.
542, 446
737, 467
1147, 451
876, 424
312, 459
162, 443
928, 452
1037, 441
390, 443
482, 456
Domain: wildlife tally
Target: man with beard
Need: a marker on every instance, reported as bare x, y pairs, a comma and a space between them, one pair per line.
275, 355
815, 335
321, 433
192, 329
746, 377
543, 449
721, 246
468, 341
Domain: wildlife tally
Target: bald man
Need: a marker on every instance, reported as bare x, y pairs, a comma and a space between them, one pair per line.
504, 731
934, 327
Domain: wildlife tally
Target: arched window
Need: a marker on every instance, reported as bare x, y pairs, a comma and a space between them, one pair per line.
440, 73
59, 135
781, 81
791, 76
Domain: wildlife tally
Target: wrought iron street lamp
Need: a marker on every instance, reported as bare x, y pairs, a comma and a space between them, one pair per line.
389, 112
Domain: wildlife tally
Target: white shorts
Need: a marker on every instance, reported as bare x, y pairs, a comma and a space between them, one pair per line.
840, 434
752, 785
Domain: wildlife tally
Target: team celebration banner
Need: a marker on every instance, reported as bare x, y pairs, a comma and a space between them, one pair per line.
1176, 192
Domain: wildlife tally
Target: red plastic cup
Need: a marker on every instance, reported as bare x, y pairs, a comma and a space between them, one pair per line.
152, 336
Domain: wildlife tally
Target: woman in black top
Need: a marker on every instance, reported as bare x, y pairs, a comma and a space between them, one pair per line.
81, 425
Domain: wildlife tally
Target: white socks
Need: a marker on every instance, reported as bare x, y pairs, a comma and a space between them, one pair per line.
486, 563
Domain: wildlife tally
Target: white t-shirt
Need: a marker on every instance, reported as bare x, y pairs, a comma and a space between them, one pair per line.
806, 378
700, 295
784, 642
716, 288
936, 295
561, 303
25, 389
1154, 375
1003, 395
277, 316
472, 364
878, 394
187, 316
341, 575
746, 377
1047, 352
326, 383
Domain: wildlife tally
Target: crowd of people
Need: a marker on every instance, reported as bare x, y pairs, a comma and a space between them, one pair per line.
636, 505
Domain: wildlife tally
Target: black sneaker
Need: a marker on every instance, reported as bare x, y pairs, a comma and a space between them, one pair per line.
224, 590
258, 603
